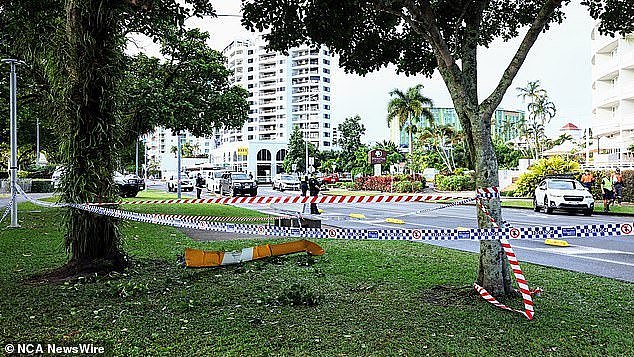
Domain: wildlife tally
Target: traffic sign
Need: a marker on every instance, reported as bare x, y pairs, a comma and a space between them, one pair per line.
514, 233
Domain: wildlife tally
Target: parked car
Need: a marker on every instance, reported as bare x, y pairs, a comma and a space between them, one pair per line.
139, 181
214, 180
238, 183
332, 178
562, 194
186, 183
128, 185
285, 182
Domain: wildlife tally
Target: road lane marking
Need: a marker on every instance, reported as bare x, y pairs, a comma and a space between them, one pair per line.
562, 253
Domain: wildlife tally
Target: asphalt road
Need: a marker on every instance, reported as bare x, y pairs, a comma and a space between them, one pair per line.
603, 256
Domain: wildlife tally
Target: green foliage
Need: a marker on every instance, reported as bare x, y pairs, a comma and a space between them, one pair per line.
360, 164
408, 186
350, 133
455, 182
297, 152
42, 186
508, 157
528, 181
407, 108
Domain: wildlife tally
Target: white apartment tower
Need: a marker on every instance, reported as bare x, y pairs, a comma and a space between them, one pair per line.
285, 91
613, 97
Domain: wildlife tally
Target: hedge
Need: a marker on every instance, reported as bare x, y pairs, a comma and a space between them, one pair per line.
455, 183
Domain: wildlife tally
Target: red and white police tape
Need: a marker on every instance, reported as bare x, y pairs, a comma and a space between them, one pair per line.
490, 192
526, 293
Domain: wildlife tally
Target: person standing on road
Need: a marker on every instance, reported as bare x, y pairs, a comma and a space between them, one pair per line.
608, 192
313, 186
587, 180
304, 186
617, 181
200, 183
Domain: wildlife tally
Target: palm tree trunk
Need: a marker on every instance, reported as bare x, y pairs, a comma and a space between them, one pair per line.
90, 140
411, 141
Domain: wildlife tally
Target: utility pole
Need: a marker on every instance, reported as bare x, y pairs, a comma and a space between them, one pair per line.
13, 124
178, 155
306, 163
37, 142
136, 156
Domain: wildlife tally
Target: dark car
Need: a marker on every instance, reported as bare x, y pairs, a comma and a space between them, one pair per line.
237, 183
128, 185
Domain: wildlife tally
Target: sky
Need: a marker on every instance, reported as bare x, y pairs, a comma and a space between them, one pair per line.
560, 60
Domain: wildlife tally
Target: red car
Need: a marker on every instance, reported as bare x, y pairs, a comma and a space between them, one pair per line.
332, 178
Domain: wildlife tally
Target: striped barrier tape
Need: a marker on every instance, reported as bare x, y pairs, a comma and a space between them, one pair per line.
540, 233
8, 209
613, 229
527, 294
183, 217
295, 200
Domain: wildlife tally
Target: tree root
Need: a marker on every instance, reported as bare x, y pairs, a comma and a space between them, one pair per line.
75, 269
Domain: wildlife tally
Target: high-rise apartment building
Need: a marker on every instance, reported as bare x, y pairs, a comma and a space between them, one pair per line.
285, 91
613, 97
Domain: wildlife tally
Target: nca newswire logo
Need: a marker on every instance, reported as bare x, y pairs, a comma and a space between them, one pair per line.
52, 348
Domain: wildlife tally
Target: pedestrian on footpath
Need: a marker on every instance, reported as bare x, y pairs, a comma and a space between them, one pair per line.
608, 192
313, 186
587, 180
617, 181
200, 184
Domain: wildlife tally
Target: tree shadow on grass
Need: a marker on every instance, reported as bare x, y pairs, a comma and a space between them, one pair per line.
444, 295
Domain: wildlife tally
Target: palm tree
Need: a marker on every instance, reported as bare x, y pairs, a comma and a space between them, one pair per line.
532, 91
408, 108
542, 110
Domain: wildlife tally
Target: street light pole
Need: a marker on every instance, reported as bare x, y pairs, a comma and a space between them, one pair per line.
37, 142
178, 149
13, 124
136, 156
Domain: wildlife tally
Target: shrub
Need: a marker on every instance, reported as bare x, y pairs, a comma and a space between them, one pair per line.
455, 183
408, 186
42, 186
538, 171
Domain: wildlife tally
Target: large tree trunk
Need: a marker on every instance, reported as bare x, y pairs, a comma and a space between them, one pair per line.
493, 271
89, 144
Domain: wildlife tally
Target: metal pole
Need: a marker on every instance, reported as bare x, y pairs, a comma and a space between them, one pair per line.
13, 123
306, 166
136, 156
145, 158
178, 154
37, 142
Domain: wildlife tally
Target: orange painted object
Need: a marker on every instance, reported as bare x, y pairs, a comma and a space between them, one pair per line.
197, 258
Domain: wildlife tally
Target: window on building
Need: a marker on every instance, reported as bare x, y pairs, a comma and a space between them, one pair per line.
250, 69
326, 143
326, 106
281, 61
326, 70
281, 89
326, 134
326, 53
326, 125
250, 137
250, 52
326, 61
281, 71
326, 98
250, 60
326, 89
250, 128
326, 79
250, 78
250, 86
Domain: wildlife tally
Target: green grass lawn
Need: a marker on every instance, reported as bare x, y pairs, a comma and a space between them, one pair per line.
360, 298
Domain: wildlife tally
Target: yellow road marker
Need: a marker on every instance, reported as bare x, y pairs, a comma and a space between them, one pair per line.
557, 242
356, 215
462, 228
394, 220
